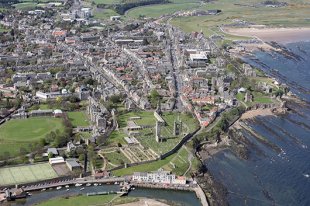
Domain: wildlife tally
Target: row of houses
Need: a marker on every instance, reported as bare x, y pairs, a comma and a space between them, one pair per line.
160, 177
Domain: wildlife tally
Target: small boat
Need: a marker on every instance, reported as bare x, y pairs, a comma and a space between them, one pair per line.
95, 184
67, 186
133, 188
307, 175
116, 183
43, 190
100, 184
82, 188
58, 188
67, 189
29, 194
78, 185
88, 184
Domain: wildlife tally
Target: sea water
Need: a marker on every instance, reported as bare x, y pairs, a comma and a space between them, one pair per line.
269, 177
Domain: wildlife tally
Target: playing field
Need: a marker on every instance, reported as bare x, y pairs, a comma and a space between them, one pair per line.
29, 129
25, 174
19, 133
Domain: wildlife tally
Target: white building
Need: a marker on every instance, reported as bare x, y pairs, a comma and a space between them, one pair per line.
56, 160
160, 176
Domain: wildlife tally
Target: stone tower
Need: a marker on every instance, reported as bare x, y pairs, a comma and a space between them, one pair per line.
157, 132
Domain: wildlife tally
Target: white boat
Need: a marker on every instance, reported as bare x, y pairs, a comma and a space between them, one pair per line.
95, 184
82, 188
67, 186
58, 188
67, 189
78, 185
100, 184
43, 190
88, 184
116, 183
307, 175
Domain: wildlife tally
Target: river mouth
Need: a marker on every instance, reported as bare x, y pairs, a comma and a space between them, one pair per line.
172, 197
277, 172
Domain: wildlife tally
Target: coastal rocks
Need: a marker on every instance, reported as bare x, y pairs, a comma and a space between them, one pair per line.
214, 190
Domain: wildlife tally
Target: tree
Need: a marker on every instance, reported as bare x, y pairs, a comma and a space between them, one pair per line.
50, 155
22, 151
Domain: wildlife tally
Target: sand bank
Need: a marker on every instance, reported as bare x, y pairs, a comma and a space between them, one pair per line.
257, 112
280, 35
144, 202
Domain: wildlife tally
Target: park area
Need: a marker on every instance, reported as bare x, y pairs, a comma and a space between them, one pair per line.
146, 136
20, 133
78, 119
25, 174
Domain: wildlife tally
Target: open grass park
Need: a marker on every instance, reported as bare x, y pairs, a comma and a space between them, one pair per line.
177, 163
82, 200
78, 119
235, 10
27, 173
146, 136
18, 133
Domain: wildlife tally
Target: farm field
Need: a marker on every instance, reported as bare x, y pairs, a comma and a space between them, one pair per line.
20, 133
78, 119
24, 174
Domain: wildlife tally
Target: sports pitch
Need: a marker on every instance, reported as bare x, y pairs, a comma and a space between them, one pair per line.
26, 174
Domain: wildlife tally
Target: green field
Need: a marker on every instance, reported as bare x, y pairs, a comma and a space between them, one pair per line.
19, 133
177, 163
82, 200
25, 174
104, 13
106, 1
25, 5
160, 9
147, 135
149, 167
290, 16
78, 119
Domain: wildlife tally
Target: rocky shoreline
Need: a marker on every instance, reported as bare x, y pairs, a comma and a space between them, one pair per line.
236, 142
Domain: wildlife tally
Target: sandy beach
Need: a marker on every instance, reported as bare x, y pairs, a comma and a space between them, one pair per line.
257, 112
280, 35
144, 202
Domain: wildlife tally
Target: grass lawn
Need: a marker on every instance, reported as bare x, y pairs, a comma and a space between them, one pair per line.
261, 98
25, 174
2, 29
18, 133
25, 5
290, 16
177, 163
104, 14
147, 135
116, 158
149, 167
29, 129
160, 9
78, 119
82, 200
106, 1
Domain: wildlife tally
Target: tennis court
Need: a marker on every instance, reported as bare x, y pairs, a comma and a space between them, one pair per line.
25, 174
